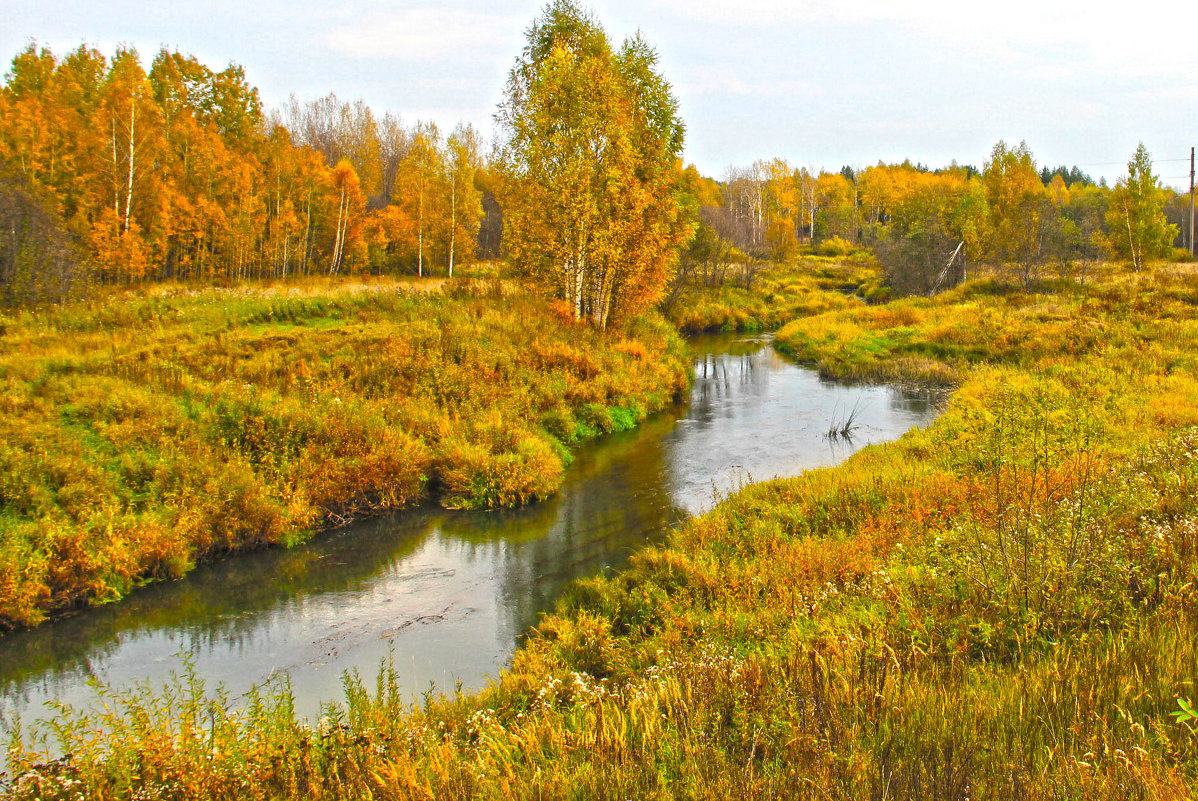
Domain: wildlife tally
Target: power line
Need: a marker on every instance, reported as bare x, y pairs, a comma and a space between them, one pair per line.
1124, 163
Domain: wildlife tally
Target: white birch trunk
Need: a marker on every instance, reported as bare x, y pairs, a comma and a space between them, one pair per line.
307, 229
453, 219
129, 189
420, 231
337, 240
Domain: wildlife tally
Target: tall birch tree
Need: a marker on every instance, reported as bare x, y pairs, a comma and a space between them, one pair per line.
465, 200
590, 140
1136, 213
417, 181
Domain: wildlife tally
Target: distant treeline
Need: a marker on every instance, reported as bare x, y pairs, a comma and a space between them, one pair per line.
925, 225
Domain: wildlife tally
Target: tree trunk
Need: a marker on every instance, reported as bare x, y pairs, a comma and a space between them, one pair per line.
307, 230
129, 189
453, 219
338, 238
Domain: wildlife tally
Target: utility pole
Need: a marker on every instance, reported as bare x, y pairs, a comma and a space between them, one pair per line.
1192, 251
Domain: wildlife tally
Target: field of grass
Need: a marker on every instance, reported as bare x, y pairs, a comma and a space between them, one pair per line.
1004, 605
778, 294
145, 431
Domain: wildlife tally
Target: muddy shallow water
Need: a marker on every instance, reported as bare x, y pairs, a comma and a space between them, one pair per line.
447, 595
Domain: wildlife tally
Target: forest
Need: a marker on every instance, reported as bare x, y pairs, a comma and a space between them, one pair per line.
226, 327
121, 175
112, 175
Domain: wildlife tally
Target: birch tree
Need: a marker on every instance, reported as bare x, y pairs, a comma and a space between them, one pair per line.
465, 200
590, 139
132, 123
1136, 214
417, 181
350, 205
1019, 207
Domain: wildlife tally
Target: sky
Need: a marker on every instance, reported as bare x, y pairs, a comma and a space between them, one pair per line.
820, 83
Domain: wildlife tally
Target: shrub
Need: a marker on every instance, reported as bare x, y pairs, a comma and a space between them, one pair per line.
835, 246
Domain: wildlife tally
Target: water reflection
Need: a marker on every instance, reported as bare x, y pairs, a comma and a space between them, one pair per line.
449, 594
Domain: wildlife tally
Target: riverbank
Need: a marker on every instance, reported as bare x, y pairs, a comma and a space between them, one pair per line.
149, 430
1000, 606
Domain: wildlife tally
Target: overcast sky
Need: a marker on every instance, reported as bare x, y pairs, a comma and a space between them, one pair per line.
822, 83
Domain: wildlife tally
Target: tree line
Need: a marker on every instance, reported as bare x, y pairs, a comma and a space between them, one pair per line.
112, 173
115, 174
925, 225
177, 173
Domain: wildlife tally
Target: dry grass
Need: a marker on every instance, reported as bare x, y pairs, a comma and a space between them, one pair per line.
1004, 605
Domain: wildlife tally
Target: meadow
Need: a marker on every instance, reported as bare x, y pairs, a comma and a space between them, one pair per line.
145, 430
1004, 605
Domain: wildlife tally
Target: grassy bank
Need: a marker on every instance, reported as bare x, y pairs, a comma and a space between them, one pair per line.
1004, 605
778, 294
146, 431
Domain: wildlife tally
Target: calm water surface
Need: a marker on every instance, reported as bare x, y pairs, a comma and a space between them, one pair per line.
448, 594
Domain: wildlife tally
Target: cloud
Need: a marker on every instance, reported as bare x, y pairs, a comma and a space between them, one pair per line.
426, 34
1151, 40
727, 81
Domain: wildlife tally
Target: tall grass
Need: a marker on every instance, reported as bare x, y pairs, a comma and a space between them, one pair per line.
1004, 605
143, 432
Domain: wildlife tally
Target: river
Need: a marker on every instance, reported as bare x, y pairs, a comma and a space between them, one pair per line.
447, 595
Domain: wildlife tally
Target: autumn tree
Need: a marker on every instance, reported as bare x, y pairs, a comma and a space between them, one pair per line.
1084, 219
39, 259
707, 258
1135, 215
462, 152
1021, 214
347, 190
804, 182
590, 142
835, 207
360, 141
132, 124
745, 205
927, 224
419, 180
